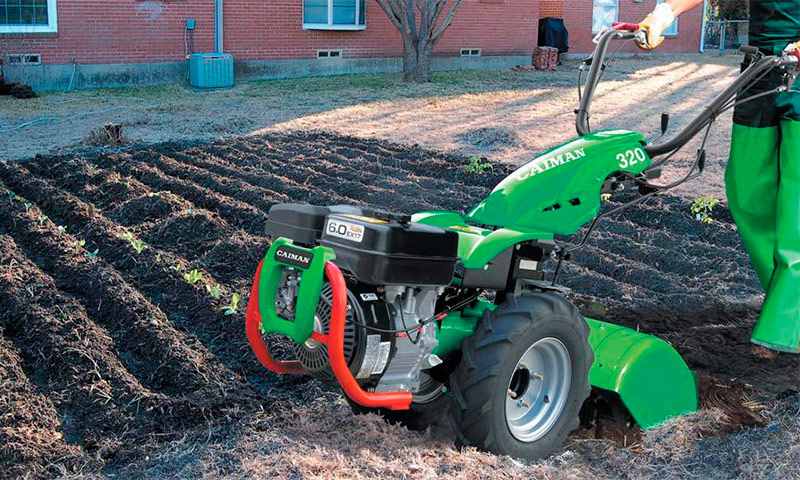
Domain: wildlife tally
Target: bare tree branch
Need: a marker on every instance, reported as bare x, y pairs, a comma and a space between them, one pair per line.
389, 13
446, 22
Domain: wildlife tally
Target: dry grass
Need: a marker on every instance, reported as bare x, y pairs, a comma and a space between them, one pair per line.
323, 440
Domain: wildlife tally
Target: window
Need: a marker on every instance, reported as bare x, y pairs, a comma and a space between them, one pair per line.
334, 14
470, 52
604, 14
329, 54
24, 59
673, 29
28, 16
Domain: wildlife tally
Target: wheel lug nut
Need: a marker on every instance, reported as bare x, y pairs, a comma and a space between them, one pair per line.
525, 404
512, 393
538, 376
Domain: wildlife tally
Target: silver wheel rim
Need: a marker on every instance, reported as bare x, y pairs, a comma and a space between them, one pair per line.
538, 389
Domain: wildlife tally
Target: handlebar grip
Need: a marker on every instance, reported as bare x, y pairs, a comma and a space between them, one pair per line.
633, 27
748, 50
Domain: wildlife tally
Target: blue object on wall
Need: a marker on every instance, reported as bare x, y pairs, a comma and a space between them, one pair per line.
211, 70
190, 24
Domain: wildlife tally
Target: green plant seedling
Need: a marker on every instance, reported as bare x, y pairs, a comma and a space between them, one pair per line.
139, 246
93, 254
702, 207
478, 165
193, 277
28, 206
176, 268
233, 307
42, 219
78, 244
214, 291
62, 229
127, 236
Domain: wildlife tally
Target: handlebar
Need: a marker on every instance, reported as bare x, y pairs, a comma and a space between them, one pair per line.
761, 65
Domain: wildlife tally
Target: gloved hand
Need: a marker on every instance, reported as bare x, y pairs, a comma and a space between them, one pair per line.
654, 24
793, 49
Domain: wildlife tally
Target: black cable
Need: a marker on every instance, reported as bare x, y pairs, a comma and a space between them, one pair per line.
657, 189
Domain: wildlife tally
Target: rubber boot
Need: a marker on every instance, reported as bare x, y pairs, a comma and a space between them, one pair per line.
778, 327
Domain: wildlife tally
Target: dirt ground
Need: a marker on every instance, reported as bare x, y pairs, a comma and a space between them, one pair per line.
114, 365
503, 115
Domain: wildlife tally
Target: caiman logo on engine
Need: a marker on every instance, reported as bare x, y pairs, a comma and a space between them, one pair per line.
542, 165
291, 256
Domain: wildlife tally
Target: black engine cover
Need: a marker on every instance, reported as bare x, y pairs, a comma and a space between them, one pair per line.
301, 222
385, 251
377, 247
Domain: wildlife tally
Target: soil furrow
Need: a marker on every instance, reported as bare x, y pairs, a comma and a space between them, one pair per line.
158, 274
322, 179
260, 198
132, 205
180, 364
31, 438
230, 209
78, 363
107, 189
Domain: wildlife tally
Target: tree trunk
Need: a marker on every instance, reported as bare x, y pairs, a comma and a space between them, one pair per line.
416, 61
419, 32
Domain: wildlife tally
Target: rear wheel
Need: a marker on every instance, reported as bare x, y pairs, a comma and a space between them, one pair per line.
523, 377
428, 407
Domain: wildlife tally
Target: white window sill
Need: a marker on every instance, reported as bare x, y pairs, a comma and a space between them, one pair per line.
325, 26
27, 29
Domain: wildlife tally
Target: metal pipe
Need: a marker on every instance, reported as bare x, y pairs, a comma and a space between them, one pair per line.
715, 107
696, 125
219, 30
597, 61
703, 27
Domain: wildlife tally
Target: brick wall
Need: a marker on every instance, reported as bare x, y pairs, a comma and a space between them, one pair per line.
551, 8
136, 31
578, 19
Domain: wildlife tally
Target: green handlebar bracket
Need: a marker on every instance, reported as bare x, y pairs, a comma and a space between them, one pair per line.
311, 262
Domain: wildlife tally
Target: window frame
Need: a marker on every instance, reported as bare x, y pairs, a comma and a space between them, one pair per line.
51, 27
616, 17
337, 26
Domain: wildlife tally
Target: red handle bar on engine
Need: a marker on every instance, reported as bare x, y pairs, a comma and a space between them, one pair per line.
334, 340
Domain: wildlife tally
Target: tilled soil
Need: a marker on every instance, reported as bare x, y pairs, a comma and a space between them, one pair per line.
107, 353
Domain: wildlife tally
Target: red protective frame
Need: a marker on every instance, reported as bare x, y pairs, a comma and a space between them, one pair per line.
334, 340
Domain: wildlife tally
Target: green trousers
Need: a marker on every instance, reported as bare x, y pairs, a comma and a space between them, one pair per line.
763, 188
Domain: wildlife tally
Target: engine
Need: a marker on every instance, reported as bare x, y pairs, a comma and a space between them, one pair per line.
395, 270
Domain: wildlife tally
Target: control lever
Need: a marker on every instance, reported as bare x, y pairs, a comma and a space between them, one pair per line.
664, 123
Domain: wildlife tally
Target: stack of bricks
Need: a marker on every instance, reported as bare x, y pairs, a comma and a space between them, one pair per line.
545, 58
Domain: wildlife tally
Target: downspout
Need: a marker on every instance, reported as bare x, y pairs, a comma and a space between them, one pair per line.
703, 26
219, 31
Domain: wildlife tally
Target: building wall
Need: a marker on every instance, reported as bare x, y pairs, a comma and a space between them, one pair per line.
578, 20
551, 8
136, 31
